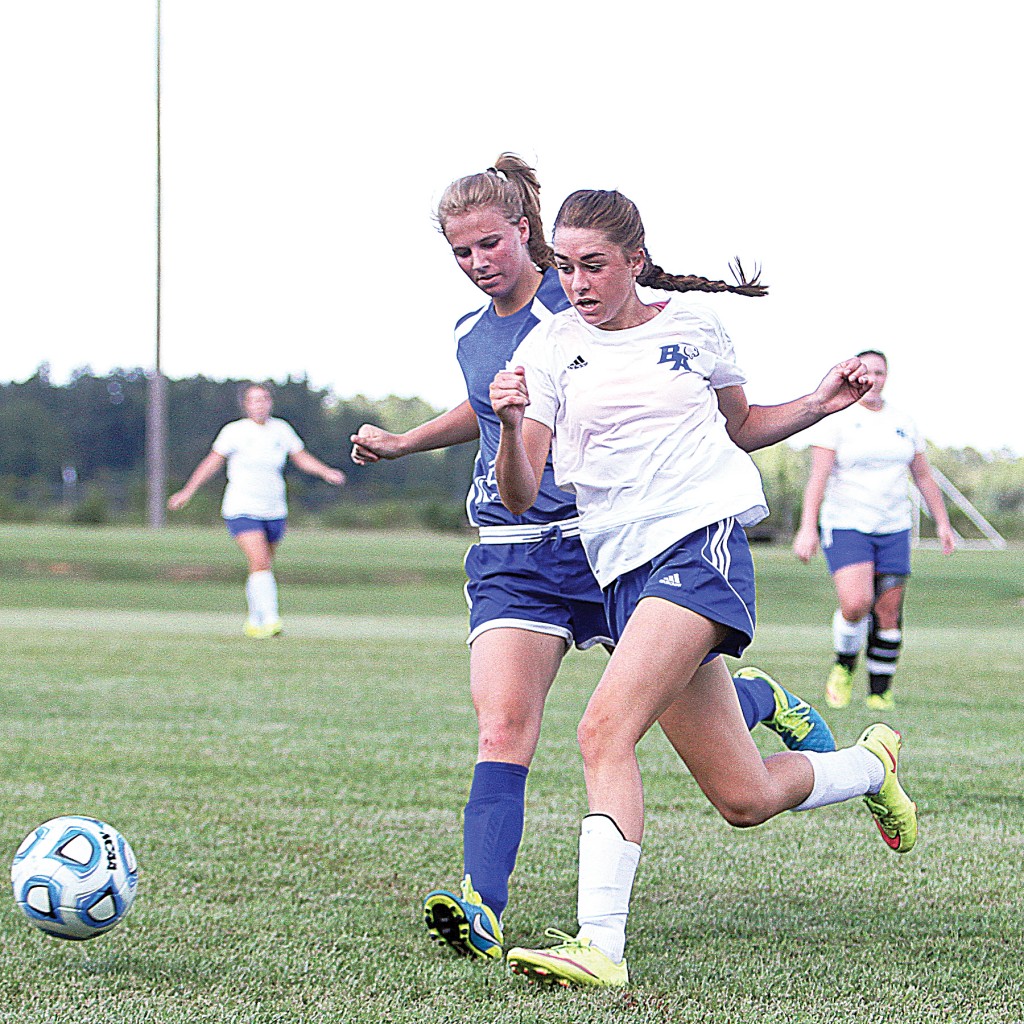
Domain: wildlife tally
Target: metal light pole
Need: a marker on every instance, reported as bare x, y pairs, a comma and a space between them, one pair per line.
156, 390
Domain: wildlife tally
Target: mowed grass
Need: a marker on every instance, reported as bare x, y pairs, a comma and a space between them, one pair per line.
292, 801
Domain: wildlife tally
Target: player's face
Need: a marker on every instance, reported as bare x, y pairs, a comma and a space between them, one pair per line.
492, 252
599, 279
877, 373
257, 404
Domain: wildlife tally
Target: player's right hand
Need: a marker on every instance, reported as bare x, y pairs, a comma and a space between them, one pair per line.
805, 544
371, 444
509, 396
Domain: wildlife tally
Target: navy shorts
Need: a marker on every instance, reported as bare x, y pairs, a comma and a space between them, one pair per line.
272, 529
545, 586
710, 572
889, 552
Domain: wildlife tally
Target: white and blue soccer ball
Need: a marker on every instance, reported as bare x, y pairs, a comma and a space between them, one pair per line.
75, 877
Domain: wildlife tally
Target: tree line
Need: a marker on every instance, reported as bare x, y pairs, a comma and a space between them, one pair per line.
76, 452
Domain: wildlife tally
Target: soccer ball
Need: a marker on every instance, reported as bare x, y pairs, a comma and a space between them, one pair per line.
74, 877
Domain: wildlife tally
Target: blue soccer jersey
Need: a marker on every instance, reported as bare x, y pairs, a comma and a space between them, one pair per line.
486, 342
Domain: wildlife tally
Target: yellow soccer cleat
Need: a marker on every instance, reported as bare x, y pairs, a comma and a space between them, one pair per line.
880, 701
573, 961
255, 632
839, 686
894, 812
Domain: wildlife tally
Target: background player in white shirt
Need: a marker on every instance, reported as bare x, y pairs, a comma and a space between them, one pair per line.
645, 408
255, 508
858, 486
530, 588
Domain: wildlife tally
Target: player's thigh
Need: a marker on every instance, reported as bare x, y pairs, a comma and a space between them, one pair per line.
661, 647
706, 728
257, 550
855, 589
511, 671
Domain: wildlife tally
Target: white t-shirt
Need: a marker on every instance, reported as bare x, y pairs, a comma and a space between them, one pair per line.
256, 454
638, 435
867, 489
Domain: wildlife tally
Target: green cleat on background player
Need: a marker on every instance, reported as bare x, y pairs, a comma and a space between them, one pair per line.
463, 923
894, 812
573, 961
796, 723
880, 701
839, 686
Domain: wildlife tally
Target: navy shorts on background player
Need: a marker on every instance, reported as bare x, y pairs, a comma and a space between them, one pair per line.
890, 552
272, 529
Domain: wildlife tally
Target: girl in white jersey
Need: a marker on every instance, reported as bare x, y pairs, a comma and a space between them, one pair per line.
530, 589
643, 409
255, 509
858, 484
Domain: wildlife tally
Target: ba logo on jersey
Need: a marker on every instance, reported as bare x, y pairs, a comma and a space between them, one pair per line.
679, 356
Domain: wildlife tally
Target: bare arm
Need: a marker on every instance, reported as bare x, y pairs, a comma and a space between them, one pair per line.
921, 471
309, 463
805, 543
757, 426
523, 446
456, 426
206, 470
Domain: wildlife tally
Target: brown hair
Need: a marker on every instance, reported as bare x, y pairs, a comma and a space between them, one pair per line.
245, 387
874, 352
511, 187
619, 220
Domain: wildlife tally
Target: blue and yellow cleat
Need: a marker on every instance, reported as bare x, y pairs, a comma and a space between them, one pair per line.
463, 923
573, 961
797, 724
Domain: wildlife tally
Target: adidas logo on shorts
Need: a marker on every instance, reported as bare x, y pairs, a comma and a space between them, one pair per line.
672, 580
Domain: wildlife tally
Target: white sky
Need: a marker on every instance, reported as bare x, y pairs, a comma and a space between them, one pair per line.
867, 155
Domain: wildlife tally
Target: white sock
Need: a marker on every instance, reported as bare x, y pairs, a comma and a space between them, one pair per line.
261, 591
607, 868
848, 637
841, 775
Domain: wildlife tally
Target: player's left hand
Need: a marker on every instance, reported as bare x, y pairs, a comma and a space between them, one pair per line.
847, 382
335, 476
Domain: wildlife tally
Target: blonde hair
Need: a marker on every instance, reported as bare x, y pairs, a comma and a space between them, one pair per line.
618, 219
510, 187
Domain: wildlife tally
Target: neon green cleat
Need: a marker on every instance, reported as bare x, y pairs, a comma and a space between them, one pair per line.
573, 961
894, 812
839, 686
880, 701
255, 632
465, 924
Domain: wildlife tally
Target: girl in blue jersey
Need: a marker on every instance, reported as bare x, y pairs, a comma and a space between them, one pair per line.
643, 409
530, 590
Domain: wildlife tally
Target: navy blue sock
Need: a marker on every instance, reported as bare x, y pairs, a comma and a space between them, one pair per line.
493, 828
757, 700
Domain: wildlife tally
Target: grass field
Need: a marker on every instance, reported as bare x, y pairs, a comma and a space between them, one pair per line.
291, 801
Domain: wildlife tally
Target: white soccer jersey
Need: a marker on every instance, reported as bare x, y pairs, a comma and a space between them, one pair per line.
868, 487
638, 435
256, 454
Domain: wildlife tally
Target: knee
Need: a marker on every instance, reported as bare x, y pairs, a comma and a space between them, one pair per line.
743, 810
854, 609
600, 741
506, 736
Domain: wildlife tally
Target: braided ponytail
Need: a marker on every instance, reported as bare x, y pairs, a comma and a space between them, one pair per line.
619, 220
